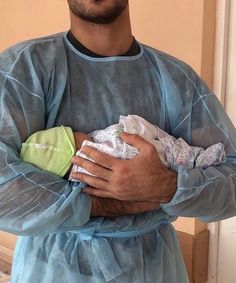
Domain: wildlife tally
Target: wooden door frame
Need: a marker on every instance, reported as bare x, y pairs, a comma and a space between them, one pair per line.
219, 88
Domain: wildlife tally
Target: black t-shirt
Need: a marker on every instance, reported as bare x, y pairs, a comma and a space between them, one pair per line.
133, 50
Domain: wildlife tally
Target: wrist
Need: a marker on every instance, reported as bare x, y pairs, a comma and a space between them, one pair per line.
170, 187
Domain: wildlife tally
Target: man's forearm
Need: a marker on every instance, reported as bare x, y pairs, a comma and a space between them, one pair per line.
113, 208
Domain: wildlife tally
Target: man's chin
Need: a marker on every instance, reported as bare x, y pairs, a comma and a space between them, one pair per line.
99, 19
97, 2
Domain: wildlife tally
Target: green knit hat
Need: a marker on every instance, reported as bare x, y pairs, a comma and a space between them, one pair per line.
50, 150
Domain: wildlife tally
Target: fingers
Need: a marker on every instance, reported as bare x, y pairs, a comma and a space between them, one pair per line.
90, 180
100, 158
137, 142
92, 167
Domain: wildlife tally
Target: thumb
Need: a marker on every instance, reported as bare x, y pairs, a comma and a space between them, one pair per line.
134, 140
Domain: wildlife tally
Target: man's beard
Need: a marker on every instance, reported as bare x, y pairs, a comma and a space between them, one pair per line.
106, 16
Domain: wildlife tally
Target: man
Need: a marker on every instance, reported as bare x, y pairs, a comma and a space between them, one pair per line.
84, 80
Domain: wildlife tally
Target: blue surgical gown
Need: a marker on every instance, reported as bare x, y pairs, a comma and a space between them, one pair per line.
47, 82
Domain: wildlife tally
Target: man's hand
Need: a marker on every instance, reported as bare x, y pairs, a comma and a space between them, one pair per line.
113, 208
143, 178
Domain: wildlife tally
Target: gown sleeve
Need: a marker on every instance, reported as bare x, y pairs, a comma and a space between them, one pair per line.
32, 201
208, 194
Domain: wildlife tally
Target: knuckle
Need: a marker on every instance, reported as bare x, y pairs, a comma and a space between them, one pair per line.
97, 157
86, 150
123, 170
94, 155
90, 168
80, 177
136, 137
150, 149
80, 161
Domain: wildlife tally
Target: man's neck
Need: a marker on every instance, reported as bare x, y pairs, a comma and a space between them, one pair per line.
108, 39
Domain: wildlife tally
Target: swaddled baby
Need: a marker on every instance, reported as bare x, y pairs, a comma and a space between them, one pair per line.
172, 152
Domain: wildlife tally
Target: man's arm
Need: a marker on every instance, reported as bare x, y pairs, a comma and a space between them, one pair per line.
32, 202
38, 149
108, 207
209, 194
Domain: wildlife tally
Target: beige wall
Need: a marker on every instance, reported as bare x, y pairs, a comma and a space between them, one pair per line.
178, 27
183, 28
174, 26
23, 19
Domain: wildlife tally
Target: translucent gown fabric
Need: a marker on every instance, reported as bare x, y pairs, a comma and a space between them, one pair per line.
45, 83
